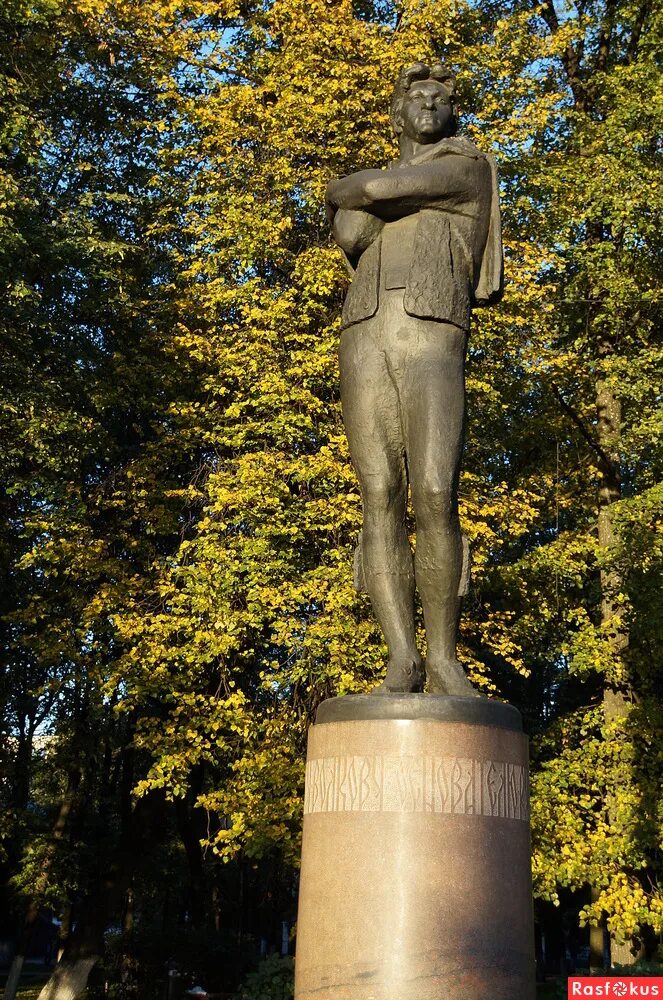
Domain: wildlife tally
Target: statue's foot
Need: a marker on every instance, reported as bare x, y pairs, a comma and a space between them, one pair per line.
448, 677
403, 677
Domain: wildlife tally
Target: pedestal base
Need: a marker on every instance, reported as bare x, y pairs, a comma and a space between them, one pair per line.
415, 881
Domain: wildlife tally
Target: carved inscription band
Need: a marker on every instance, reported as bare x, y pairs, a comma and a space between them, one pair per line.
419, 784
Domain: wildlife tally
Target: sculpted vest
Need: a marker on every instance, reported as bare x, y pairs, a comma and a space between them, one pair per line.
445, 278
439, 283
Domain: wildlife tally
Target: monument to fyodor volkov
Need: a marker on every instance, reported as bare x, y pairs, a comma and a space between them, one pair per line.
415, 880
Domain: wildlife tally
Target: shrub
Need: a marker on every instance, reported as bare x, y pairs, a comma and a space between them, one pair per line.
273, 980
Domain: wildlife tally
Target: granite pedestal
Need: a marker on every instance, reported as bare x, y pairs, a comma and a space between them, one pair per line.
415, 880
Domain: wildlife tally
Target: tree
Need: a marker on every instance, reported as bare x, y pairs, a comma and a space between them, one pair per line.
84, 378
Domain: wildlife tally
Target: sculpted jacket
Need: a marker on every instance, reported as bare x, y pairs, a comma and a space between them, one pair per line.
456, 260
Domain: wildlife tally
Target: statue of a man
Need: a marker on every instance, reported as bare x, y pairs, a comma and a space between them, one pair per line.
422, 239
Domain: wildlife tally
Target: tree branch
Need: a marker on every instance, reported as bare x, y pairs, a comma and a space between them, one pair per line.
603, 51
634, 40
607, 463
570, 58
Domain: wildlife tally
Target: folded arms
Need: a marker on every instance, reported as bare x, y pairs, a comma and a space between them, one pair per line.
360, 204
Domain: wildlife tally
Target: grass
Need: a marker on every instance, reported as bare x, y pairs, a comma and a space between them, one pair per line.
32, 991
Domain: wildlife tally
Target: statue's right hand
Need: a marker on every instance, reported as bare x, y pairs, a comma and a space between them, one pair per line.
354, 230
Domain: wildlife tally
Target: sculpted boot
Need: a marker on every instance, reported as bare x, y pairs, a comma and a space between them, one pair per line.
403, 677
448, 677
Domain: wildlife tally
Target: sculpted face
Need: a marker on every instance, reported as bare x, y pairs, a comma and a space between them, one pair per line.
427, 113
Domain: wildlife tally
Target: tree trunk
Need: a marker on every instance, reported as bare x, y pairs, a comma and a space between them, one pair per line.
194, 855
14, 975
84, 949
596, 941
617, 696
34, 908
627, 953
128, 961
85, 945
65, 930
69, 978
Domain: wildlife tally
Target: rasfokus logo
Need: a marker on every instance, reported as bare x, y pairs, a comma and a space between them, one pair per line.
596, 986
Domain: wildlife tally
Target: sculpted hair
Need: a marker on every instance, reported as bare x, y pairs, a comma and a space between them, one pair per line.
412, 74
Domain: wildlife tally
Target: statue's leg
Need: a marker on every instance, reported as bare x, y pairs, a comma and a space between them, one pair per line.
371, 414
433, 399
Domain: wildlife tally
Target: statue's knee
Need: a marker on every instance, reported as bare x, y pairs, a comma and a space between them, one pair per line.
381, 498
434, 502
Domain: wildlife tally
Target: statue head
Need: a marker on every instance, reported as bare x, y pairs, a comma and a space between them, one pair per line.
423, 105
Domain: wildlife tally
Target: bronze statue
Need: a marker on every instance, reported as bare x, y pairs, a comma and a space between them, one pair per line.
422, 240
